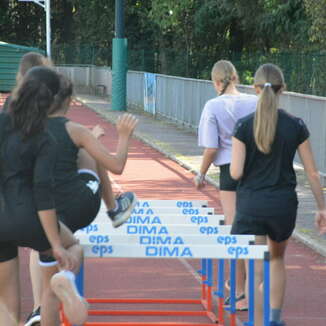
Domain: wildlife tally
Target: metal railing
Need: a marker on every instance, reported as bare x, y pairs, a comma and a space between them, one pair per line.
182, 99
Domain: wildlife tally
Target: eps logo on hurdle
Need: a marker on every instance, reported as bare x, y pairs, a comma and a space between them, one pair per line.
147, 219
179, 204
151, 229
167, 251
162, 240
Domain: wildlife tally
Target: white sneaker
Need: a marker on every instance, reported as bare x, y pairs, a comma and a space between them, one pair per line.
75, 307
34, 318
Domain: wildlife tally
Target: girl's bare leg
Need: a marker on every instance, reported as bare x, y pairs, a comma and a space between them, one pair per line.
277, 276
228, 199
119, 209
9, 293
259, 240
50, 302
85, 161
36, 278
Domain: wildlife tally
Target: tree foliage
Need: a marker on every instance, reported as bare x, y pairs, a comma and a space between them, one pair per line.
316, 10
183, 37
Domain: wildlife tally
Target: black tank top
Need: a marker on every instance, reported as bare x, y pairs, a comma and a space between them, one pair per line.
67, 181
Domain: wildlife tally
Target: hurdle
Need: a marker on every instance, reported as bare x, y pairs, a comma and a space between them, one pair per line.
172, 203
169, 218
173, 210
205, 241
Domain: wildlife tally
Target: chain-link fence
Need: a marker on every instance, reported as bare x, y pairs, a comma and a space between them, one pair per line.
304, 72
88, 54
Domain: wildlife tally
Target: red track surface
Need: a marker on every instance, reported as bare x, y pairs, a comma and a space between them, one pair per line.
151, 175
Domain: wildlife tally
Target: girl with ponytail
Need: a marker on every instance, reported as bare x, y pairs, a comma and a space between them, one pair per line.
216, 125
80, 180
263, 149
27, 209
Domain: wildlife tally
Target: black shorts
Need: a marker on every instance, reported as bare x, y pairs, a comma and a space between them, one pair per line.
8, 251
278, 228
20, 223
82, 209
226, 181
36, 241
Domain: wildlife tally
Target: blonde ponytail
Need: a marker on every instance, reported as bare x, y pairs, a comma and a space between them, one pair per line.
270, 79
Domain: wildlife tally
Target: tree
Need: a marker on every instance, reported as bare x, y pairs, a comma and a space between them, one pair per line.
22, 23
316, 10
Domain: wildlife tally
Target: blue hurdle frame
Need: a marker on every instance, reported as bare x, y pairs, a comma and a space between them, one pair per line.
251, 285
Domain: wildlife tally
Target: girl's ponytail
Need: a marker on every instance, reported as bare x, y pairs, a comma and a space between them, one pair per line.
65, 92
269, 79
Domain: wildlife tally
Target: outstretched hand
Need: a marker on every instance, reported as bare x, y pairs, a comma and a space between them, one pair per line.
320, 221
126, 124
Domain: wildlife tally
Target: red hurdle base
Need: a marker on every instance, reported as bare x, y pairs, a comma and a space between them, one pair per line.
205, 301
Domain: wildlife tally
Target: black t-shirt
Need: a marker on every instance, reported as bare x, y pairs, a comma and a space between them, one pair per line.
268, 183
27, 164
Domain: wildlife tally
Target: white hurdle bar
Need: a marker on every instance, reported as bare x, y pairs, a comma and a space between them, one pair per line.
180, 251
168, 219
155, 229
173, 210
182, 239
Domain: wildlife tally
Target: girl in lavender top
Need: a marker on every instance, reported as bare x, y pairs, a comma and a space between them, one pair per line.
216, 125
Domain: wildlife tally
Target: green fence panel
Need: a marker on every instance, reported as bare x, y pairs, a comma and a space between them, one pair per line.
10, 55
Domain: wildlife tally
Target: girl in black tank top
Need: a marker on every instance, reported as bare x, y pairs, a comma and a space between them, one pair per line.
66, 168
81, 161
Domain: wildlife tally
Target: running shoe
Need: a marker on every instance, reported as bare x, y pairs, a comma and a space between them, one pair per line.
126, 203
238, 298
34, 317
241, 303
75, 307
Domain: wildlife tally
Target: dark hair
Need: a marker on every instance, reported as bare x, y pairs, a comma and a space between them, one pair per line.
32, 99
66, 91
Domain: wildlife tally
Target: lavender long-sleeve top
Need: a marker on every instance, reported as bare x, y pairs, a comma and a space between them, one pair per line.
217, 122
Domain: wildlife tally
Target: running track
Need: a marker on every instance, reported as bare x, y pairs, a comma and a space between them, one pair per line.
152, 176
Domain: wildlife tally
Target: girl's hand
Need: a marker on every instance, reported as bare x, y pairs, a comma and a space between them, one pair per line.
126, 125
320, 221
65, 260
98, 131
199, 181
